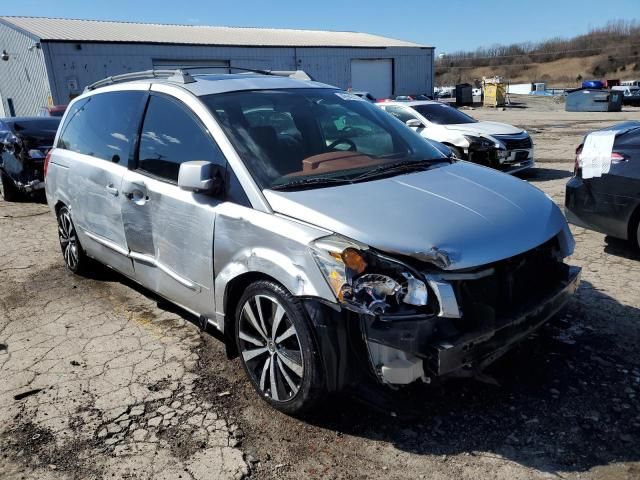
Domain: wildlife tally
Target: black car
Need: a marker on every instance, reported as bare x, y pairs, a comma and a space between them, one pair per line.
611, 203
24, 144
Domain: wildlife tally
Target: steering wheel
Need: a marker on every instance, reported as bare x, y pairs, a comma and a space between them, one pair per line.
352, 146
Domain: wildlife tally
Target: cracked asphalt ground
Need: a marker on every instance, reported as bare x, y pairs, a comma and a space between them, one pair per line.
100, 379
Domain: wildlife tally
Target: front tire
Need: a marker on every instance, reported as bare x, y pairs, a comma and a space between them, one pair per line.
74, 257
277, 349
10, 192
457, 152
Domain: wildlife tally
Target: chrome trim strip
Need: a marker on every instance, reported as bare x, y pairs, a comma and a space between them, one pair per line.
107, 243
446, 297
148, 259
460, 276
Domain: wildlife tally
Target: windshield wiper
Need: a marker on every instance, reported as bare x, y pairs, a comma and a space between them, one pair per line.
400, 167
311, 182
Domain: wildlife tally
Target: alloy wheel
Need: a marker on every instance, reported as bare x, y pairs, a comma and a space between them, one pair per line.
68, 239
270, 348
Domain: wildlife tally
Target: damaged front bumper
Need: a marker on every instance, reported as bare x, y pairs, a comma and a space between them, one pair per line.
508, 161
403, 349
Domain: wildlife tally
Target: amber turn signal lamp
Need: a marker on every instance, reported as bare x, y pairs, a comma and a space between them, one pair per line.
353, 260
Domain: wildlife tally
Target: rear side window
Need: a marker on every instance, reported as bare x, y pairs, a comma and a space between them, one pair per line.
172, 135
103, 125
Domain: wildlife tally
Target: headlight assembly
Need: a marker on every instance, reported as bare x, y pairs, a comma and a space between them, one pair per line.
365, 281
481, 142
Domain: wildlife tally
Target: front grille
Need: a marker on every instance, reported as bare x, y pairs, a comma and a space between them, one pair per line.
514, 142
516, 285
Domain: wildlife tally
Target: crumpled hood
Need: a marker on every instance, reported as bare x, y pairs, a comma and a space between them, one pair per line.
475, 214
485, 128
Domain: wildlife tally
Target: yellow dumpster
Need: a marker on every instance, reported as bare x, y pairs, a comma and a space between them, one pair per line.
495, 94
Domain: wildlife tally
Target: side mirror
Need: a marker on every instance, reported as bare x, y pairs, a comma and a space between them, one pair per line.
414, 123
201, 176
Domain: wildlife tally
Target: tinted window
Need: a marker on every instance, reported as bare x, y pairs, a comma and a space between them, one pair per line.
171, 135
103, 126
400, 113
442, 114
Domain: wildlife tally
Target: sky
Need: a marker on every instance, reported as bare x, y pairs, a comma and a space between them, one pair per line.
449, 25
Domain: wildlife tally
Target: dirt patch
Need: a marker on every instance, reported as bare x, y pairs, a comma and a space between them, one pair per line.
37, 447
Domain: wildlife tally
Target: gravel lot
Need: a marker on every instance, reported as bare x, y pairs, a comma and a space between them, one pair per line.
103, 380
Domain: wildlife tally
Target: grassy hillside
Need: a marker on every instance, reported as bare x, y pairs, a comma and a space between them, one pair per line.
612, 51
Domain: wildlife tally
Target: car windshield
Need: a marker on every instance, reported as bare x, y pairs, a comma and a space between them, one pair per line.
296, 136
442, 114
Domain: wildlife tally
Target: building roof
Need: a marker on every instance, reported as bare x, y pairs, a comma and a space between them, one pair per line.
72, 30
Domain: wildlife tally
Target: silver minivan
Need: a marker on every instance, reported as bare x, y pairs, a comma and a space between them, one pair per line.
329, 243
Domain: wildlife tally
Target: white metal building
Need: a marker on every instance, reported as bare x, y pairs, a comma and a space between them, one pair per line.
51, 60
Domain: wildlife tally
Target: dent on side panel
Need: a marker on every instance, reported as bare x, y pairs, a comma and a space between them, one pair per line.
247, 240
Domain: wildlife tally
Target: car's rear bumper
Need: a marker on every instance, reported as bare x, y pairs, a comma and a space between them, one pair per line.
606, 213
473, 350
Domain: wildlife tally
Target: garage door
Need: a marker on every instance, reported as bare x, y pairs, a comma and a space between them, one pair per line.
208, 66
373, 76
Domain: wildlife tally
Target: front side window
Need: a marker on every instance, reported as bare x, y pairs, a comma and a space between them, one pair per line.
442, 114
288, 135
400, 113
103, 125
170, 136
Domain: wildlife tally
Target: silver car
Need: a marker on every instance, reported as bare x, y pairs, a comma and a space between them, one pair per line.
329, 243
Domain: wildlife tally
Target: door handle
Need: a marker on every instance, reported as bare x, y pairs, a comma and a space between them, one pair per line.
112, 190
137, 193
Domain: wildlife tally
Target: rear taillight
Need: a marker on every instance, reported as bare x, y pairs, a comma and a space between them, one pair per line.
618, 157
576, 166
46, 162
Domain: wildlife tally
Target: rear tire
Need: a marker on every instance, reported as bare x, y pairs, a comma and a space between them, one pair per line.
74, 257
277, 348
10, 192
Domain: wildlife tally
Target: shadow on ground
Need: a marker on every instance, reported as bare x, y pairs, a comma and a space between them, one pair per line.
543, 174
621, 248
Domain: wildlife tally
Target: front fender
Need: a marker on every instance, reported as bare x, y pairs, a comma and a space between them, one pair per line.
448, 137
249, 241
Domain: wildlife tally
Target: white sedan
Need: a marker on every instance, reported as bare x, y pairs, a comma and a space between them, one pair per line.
493, 144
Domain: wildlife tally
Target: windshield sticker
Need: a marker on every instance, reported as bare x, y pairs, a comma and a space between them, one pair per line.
349, 96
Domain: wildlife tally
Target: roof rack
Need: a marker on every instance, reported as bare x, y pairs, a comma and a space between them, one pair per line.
177, 76
181, 75
297, 74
